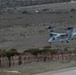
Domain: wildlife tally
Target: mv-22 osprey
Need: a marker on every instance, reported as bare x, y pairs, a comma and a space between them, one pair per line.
61, 37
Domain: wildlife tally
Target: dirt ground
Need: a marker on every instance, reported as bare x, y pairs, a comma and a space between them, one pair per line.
29, 30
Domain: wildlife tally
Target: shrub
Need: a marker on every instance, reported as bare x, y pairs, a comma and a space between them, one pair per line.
24, 12
47, 47
50, 50
53, 51
33, 51
72, 9
2, 52
45, 9
65, 49
11, 52
71, 16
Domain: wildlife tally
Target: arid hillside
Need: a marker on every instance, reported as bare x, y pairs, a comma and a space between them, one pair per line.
20, 3
26, 27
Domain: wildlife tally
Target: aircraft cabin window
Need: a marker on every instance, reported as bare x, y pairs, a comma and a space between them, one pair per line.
53, 38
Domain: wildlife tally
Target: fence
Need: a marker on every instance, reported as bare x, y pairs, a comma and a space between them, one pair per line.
24, 58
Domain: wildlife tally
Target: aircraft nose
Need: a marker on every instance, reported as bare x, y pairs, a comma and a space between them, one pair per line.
49, 41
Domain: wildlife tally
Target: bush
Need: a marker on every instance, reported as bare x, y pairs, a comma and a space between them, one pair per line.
24, 12
72, 9
11, 52
53, 51
2, 52
33, 51
47, 47
50, 50
45, 9
71, 16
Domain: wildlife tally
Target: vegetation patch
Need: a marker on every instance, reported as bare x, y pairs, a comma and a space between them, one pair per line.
24, 12
45, 9
72, 10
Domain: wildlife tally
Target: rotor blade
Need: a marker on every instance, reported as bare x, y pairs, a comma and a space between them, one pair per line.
50, 27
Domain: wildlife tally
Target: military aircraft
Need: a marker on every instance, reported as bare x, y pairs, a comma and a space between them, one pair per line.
61, 37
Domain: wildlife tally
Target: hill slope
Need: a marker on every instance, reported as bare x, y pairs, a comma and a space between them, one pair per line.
24, 28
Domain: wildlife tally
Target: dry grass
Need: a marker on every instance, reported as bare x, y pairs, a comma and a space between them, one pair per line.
23, 31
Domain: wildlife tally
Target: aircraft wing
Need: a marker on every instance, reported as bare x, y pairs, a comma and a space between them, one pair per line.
54, 33
63, 36
58, 34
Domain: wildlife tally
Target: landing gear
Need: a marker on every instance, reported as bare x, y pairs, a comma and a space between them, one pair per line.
67, 41
62, 41
50, 43
72, 39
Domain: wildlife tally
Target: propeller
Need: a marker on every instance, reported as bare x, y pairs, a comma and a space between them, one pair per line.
69, 28
50, 27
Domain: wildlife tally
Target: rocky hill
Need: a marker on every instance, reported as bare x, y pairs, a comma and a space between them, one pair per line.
19, 3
